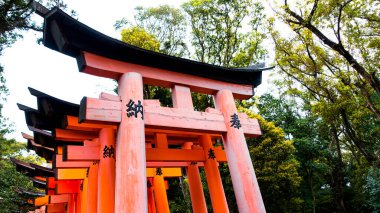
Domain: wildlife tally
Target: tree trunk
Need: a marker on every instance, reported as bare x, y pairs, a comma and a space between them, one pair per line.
337, 176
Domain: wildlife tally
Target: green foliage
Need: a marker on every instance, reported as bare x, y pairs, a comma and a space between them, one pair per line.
276, 167
217, 31
140, 38
11, 181
329, 63
372, 186
340, 79
166, 23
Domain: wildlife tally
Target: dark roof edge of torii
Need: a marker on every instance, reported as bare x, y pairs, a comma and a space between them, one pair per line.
67, 35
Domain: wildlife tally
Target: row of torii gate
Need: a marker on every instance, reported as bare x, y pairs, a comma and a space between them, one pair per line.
115, 153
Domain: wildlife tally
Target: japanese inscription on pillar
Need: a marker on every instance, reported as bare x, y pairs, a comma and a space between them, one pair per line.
108, 152
211, 154
134, 109
158, 171
235, 122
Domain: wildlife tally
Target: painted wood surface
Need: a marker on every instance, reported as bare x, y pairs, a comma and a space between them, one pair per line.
92, 190
151, 201
71, 122
161, 164
70, 174
59, 163
105, 67
106, 171
246, 188
167, 118
67, 187
58, 198
55, 208
198, 201
214, 181
40, 201
131, 187
72, 153
73, 135
160, 196
82, 153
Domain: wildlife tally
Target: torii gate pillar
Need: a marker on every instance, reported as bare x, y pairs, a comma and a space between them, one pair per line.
131, 190
246, 188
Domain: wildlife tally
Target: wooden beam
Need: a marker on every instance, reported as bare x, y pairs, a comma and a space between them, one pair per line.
105, 67
67, 186
90, 153
73, 135
54, 208
152, 164
166, 172
178, 155
71, 122
41, 201
93, 109
59, 163
166, 118
53, 199
70, 174
81, 153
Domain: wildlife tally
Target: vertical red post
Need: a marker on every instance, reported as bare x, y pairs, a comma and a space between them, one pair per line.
162, 205
71, 204
92, 190
181, 97
106, 171
151, 203
160, 196
131, 187
243, 176
198, 201
214, 181
84, 194
78, 201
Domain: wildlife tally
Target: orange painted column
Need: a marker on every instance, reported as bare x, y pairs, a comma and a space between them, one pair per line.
150, 190
162, 205
84, 195
106, 171
246, 188
195, 185
214, 182
151, 203
131, 187
78, 201
92, 189
160, 196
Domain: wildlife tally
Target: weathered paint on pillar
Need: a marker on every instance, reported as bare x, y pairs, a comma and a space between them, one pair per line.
243, 176
92, 192
162, 205
130, 186
106, 171
160, 196
151, 203
198, 201
214, 181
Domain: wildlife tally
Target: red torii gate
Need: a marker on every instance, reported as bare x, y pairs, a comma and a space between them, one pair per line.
133, 67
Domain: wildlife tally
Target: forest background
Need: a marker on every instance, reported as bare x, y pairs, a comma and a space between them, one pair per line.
321, 123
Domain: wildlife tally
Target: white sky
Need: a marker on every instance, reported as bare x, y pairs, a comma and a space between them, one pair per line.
27, 64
